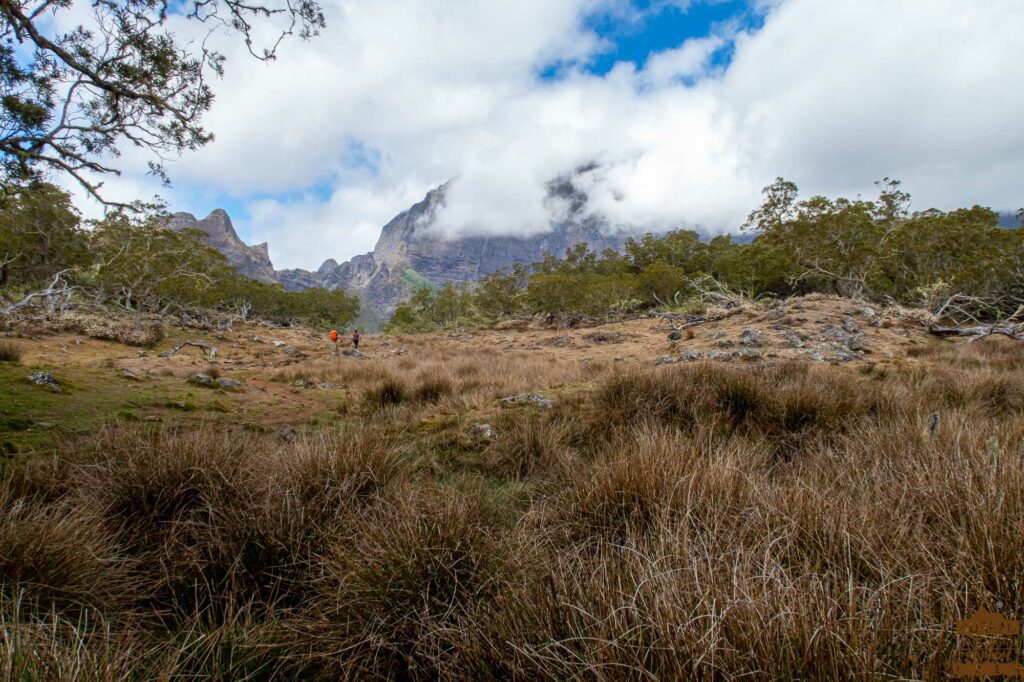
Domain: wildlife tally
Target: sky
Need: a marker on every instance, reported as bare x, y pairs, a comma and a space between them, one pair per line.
688, 108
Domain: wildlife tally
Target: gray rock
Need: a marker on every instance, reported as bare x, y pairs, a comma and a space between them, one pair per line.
352, 353
776, 314
301, 383
484, 431
129, 375
750, 337
850, 326
251, 261
408, 246
288, 434
527, 399
718, 335
330, 387
279, 344
748, 354
229, 384
290, 350
855, 341
45, 379
202, 379
794, 341
719, 355
692, 354
725, 343
664, 360
675, 335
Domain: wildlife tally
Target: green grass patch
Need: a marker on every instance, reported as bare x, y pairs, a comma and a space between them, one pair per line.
415, 280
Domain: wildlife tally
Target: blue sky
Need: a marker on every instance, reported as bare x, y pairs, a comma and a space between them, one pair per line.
653, 26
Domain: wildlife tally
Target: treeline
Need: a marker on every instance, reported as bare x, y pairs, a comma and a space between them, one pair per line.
874, 249
50, 257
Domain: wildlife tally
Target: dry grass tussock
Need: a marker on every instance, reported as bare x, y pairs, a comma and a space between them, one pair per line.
469, 380
702, 520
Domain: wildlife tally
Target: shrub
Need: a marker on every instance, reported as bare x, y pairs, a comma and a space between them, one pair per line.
431, 390
386, 394
10, 352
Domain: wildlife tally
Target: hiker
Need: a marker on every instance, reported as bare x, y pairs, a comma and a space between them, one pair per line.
355, 339
334, 339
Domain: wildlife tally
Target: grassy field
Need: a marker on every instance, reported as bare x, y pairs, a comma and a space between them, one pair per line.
778, 519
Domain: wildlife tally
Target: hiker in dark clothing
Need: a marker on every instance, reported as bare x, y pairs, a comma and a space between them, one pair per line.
355, 339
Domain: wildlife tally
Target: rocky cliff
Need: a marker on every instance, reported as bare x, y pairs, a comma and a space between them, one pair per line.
409, 254
251, 261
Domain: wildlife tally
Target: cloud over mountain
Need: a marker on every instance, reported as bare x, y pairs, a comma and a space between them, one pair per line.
328, 143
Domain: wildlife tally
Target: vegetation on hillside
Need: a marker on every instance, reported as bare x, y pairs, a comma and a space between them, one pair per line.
131, 261
875, 249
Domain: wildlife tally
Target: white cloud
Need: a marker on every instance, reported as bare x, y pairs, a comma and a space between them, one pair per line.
833, 94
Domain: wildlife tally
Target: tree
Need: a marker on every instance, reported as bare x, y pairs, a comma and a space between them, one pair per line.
39, 235
144, 264
499, 295
70, 96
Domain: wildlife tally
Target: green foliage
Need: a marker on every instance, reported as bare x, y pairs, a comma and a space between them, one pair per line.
149, 267
430, 309
40, 235
850, 247
130, 258
77, 83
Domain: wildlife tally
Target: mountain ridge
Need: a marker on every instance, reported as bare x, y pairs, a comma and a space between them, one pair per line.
409, 254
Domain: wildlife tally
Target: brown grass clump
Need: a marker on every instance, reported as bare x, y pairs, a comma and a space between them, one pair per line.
388, 393
706, 521
10, 352
390, 589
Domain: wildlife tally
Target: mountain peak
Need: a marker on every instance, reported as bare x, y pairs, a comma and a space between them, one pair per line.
251, 261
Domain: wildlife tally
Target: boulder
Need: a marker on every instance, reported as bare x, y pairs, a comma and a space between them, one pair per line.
664, 360
229, 384
202, 379
750, 337
44, 379
527, 399
484, 431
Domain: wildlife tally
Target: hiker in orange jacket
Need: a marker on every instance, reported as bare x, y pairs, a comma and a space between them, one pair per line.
334, 339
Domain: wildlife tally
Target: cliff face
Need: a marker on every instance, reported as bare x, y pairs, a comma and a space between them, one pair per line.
251, 261
409, 254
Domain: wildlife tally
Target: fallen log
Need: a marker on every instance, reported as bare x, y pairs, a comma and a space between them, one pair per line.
212, 350
1014, 331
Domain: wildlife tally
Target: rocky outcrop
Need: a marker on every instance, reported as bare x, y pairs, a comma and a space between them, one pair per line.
410, 254
251, 261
